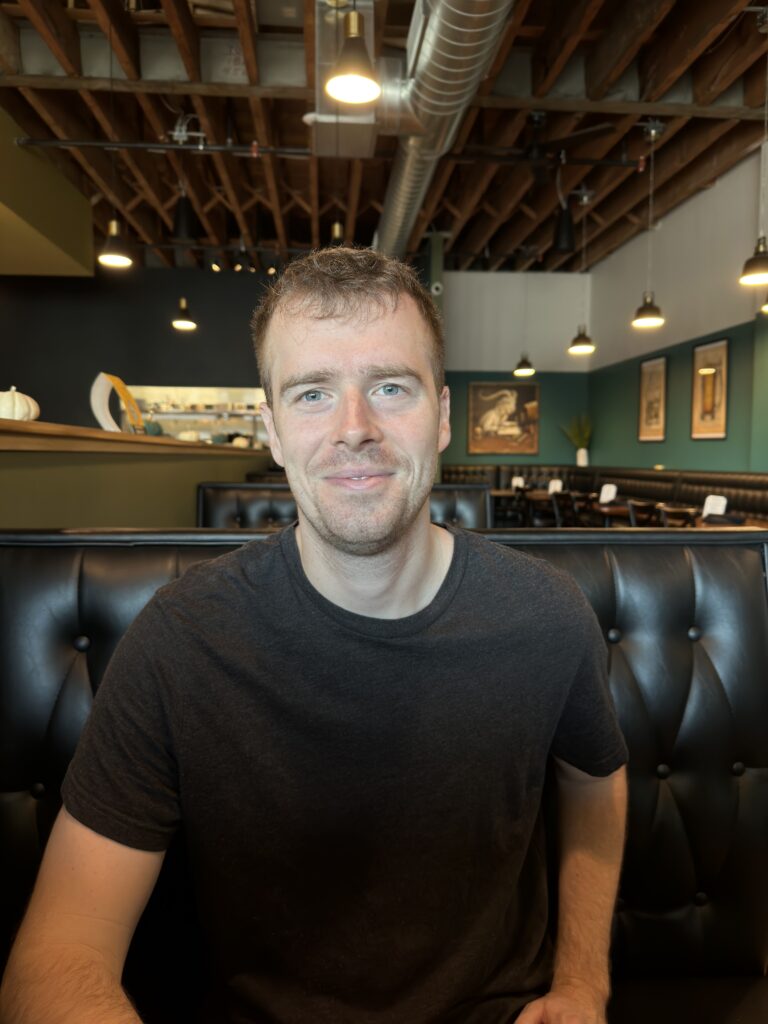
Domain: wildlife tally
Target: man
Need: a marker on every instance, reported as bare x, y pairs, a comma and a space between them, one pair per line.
352, 722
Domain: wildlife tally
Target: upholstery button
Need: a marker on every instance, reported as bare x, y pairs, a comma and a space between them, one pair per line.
81, 643
662, 770
701, 899
614, 635
37, 790
694, 633
737, 767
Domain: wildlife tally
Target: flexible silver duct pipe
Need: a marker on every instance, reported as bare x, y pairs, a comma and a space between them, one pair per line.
459, 42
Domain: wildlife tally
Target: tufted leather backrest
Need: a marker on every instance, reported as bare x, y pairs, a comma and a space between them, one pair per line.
685, 616
467, 505
245, 506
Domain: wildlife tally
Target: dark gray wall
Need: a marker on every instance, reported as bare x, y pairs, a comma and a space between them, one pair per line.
56, 334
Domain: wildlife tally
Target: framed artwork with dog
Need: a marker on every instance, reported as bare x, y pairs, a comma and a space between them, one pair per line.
503, 418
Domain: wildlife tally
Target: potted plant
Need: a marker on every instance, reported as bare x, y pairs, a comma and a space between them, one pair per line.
579, 433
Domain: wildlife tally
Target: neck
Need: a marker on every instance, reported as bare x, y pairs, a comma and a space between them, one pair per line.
391, 585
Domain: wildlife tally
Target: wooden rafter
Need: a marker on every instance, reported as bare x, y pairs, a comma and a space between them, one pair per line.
605, 181
508, 196
141, 165
353, 200
212, 118
568, 27
309, 42
65, 124
671, 162
10, 52
614, 51
738, 143
693, 26
115, 22
727, 61
518, 231
185, 33
59, 33
754, 85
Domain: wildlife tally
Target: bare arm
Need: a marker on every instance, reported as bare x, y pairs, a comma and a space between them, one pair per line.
67, 961
592, 817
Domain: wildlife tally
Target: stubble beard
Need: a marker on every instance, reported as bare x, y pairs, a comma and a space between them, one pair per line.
363, 524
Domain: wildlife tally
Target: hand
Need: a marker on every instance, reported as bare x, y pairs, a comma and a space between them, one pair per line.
564, 1006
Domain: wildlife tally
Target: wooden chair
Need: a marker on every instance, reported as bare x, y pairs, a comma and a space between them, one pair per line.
642, 513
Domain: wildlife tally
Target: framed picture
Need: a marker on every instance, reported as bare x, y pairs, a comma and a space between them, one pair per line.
653, 400
503, 418
709, 399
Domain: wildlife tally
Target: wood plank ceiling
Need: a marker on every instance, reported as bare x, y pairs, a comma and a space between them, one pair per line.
98, 70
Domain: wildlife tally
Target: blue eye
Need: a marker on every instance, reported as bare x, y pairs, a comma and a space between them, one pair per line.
311, 396
391, 389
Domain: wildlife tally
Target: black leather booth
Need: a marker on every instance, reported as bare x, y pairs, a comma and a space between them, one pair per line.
685, 616
263, 506
259, 506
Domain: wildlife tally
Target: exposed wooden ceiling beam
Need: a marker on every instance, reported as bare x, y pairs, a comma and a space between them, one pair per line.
245, 18
614, 51
115, 22
507, 197
353, 200
483, 176
569, 23
221, 90
10, 52
185, 32
309, 42
517, 232
728, 59
58, 32
65, 124
568, 104
738, 143
605, 181
753, 85
212, 119
693, 26
314, 202
141, 165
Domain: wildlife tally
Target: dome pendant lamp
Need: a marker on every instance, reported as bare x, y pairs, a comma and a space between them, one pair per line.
524, 368
352, 79
115, 251
648, 315
183, 321
582, 344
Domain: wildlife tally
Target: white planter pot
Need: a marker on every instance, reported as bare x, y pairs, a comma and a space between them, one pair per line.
582, 456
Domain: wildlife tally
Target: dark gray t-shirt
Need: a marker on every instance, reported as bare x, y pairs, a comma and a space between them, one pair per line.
360, 797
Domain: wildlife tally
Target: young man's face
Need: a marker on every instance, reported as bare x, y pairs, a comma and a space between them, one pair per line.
356, 422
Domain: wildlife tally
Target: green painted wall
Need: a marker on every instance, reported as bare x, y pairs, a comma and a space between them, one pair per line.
758, 456
614, 403
561, 397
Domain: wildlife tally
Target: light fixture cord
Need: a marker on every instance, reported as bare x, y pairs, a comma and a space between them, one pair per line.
650, 217
584, 268
763, 160
112, 121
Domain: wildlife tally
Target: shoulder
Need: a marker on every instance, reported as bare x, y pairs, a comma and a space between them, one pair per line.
502, 568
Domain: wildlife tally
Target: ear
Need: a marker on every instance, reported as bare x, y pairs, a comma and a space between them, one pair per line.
274, 440
444, 425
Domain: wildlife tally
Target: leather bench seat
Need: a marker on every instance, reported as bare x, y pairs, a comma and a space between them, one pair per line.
685, 618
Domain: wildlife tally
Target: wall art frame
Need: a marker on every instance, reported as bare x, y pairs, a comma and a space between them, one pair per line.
652, 411
502, 418
709, 391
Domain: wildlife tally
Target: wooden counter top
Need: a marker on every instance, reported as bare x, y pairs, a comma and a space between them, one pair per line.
34, 436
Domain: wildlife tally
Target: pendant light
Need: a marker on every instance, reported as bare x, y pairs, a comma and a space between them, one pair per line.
764, 307
524, 368
755, 270
115, 253
352, 79
183, 321
648, 315
565, 235
337, 233
582, 344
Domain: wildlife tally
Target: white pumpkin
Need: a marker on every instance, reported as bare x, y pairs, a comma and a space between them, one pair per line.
16, 406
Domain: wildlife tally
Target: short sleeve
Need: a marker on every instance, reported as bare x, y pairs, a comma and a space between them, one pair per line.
588, 735
123, 779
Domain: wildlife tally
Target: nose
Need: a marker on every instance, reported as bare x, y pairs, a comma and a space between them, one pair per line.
355, 423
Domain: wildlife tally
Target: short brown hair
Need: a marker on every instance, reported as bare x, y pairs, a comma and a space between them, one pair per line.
344, 282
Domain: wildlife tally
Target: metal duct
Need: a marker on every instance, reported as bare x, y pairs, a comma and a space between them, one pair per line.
459, 42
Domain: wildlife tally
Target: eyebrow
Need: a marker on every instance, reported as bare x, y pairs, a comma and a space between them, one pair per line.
327, 376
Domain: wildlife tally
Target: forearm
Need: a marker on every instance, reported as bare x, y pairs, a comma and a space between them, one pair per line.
62, 985
592, 818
